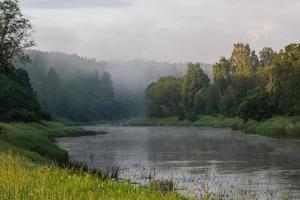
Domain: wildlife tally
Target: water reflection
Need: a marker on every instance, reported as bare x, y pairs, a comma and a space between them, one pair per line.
229, 162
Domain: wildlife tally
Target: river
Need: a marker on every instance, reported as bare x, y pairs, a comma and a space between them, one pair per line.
229, 163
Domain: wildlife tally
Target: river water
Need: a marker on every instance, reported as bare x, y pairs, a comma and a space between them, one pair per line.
229, 163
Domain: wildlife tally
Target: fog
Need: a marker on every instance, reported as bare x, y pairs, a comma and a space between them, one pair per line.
169, 30
129, 78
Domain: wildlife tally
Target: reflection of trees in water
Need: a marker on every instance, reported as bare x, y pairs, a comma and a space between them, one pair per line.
203, 154
231, 151
225, 159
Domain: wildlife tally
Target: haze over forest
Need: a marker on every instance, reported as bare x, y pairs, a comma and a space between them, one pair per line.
129, 78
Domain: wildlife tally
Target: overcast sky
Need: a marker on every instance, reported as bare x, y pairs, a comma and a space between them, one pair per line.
161, 30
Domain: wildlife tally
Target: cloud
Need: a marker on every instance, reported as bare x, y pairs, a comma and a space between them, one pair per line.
57, 4
263, 29
162, 30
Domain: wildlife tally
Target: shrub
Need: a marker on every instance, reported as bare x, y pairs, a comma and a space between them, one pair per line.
257, 107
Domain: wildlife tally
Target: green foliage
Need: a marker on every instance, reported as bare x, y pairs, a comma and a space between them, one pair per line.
15, 31
266, 56
259, 106
18, 101
252, 87
164, 97
194, 80
206, 101
286, 127
285, 81
228, 102
78, 96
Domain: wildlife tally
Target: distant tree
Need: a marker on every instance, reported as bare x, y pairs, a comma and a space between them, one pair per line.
194, 80
254, 61
242, 60
207, 101
52, 80
107, 86
200, 102
266, 56
15, 34
164, 97
222, 69
285, 81
49, 92
228, 102
222, 72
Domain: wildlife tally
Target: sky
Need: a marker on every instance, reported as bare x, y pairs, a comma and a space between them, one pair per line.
161, 30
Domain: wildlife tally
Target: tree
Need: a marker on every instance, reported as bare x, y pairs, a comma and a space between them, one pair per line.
107, 86
254, 61
15, 34
194, 80
258, 106
207, 101
285, 81
164, 97
228, 102
266, 56
222, 72
50, 90
243, 60
18, 101
52, 80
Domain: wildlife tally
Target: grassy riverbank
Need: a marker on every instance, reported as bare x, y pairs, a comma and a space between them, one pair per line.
287, 127
29, 168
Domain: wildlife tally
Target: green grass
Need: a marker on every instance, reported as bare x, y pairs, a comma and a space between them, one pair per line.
279, 126
36, 140
22, 179
29, 169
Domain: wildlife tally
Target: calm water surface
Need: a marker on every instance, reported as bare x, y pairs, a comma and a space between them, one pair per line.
229, 162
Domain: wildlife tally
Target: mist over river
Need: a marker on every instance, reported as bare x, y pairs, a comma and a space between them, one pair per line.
230, 163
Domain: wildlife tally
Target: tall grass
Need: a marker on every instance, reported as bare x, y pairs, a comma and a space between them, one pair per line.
279, 126
36, 140
29, 169
22, 179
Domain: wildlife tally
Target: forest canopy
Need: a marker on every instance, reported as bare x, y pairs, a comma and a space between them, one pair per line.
66, 85
247, 85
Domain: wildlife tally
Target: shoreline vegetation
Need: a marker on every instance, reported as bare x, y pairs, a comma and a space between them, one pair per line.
33, 167
278, 127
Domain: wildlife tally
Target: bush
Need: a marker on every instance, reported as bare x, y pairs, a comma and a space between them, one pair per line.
258, 107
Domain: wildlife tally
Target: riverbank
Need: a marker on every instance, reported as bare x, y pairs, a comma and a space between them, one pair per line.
29, 168
281, 127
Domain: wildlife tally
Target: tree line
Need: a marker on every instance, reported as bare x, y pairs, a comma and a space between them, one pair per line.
82, 96
251, 86
32, 91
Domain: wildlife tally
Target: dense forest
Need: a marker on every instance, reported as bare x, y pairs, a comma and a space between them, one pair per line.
247, 85
71, 87
69, 93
